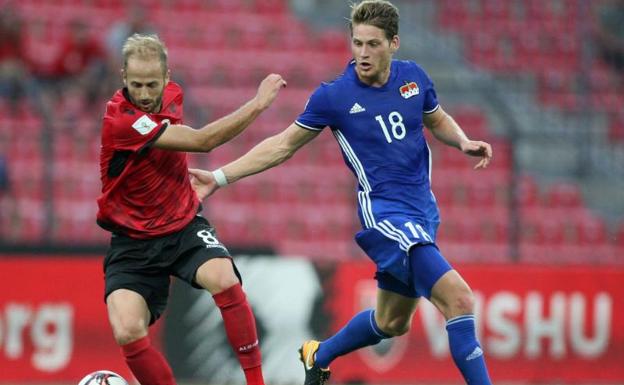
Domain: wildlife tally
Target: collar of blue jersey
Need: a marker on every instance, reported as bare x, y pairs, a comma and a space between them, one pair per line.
350, 70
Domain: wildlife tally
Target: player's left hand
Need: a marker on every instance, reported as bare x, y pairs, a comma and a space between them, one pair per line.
202, 182
478, 148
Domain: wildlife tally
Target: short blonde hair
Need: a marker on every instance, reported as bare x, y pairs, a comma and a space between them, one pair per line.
145, 46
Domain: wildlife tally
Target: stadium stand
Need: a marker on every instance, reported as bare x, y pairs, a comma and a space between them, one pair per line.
220, 52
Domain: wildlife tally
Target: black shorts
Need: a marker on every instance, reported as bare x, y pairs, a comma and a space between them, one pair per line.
145, 265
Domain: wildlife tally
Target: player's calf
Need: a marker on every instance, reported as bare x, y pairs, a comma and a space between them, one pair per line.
240, 328
466, 350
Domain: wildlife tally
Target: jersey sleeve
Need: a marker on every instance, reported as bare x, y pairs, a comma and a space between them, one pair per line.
317, 114
133, 130
431, 98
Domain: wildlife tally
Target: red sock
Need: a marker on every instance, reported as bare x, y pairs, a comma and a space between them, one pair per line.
240, 327
147, 364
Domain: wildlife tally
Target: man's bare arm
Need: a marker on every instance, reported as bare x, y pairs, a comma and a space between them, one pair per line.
266, 154
269, 153
180, 137
446, 130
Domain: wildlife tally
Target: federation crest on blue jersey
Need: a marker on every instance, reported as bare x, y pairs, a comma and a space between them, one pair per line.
409, 89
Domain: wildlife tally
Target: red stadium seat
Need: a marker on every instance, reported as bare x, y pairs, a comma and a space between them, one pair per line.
479, 252
592, 231
550, 231
482, 194
616, 126
496, 10
618, 238
319, 251
528, 192
564, 195
270, 7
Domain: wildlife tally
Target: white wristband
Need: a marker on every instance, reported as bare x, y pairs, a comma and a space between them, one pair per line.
220, 177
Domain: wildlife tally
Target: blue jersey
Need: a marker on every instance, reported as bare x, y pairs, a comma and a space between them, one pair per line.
380, 132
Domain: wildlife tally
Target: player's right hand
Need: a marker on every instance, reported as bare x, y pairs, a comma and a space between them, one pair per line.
268, 89
202, 182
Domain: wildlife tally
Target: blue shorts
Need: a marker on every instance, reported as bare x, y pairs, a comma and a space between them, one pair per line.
428, 266
408, 262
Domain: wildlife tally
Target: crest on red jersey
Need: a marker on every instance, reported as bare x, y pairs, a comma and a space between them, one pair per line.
409, 89
144, 125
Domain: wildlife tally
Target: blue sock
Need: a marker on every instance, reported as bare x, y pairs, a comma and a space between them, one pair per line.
466, 350
360, 331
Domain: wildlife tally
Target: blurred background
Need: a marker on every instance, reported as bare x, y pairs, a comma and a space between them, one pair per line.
539, 235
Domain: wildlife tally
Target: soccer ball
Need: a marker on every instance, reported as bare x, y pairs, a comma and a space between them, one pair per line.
103, 377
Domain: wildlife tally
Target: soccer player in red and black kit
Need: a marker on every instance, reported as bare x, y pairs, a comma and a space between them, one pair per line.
148, 205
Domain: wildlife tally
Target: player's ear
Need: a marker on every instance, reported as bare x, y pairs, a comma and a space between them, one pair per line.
124, 77
395, 43
167, 76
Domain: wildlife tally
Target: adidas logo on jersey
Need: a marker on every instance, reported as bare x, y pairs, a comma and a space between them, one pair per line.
356, 108
475, 354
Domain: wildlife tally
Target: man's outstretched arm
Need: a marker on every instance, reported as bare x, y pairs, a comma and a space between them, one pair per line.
179, 137
269, 153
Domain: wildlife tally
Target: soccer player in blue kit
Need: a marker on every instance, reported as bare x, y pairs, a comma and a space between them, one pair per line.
376, 110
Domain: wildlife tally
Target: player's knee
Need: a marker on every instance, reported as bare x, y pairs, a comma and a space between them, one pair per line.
126, 331
225, 283
395, 327
453, 297
463, 303
216, 276
222, 283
